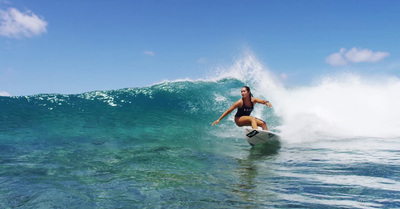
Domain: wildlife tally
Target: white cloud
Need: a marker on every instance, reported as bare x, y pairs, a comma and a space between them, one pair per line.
4, 94
337, 59
150, 53
15, 24
354, 55
365, 55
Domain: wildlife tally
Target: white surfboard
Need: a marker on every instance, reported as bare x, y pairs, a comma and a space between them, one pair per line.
255, 136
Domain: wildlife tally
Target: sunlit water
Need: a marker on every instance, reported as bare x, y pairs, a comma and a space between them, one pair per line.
154, 147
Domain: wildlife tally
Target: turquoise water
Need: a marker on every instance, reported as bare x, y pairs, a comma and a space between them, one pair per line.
154, 147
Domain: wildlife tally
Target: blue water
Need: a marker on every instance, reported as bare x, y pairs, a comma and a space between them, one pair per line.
154, 147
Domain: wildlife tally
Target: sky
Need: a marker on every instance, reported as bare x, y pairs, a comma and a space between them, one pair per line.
77, 46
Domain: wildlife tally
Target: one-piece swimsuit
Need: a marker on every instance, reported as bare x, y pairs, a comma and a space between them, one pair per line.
244, 110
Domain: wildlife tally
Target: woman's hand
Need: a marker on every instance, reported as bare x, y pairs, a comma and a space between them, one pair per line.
268, 104
216, 122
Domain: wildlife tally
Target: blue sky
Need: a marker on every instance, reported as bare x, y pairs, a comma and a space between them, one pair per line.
77, 46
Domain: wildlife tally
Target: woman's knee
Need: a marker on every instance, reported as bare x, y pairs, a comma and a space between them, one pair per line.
260, 122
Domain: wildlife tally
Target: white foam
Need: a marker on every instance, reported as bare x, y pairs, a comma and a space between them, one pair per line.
339, 106
345, 105
99, 95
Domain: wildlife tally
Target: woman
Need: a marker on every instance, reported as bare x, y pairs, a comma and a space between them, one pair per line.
245, 106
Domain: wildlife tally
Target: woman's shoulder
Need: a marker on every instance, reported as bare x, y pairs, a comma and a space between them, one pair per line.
239, 102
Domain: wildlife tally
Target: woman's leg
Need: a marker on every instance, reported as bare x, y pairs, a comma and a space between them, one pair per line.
262, 124
251, 121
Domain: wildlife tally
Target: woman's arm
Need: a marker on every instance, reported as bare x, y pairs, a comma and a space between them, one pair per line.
261, 101
227, 112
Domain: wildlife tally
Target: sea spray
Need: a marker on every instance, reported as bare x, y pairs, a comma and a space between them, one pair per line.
342, 105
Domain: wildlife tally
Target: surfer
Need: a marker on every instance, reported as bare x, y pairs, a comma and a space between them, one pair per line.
245, 106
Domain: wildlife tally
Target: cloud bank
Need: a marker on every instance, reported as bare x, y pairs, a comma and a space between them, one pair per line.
354, 55
16, 24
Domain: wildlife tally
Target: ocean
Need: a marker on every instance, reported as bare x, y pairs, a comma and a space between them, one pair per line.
155, 147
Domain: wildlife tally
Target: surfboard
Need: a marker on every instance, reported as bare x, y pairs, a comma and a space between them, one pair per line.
255, 136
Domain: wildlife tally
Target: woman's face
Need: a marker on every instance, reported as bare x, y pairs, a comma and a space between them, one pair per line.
244, 92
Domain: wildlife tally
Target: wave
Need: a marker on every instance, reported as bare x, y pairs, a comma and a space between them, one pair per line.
341, 106
344, 105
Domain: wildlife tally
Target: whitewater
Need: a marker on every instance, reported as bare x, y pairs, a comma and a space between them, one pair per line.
155, 147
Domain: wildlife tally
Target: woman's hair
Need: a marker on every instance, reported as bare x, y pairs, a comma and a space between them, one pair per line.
248, 89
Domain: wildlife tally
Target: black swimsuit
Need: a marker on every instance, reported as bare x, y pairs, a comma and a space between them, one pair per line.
244, 111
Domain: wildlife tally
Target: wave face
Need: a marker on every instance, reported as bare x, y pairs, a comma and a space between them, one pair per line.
163, 110
155, 146
340, 106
